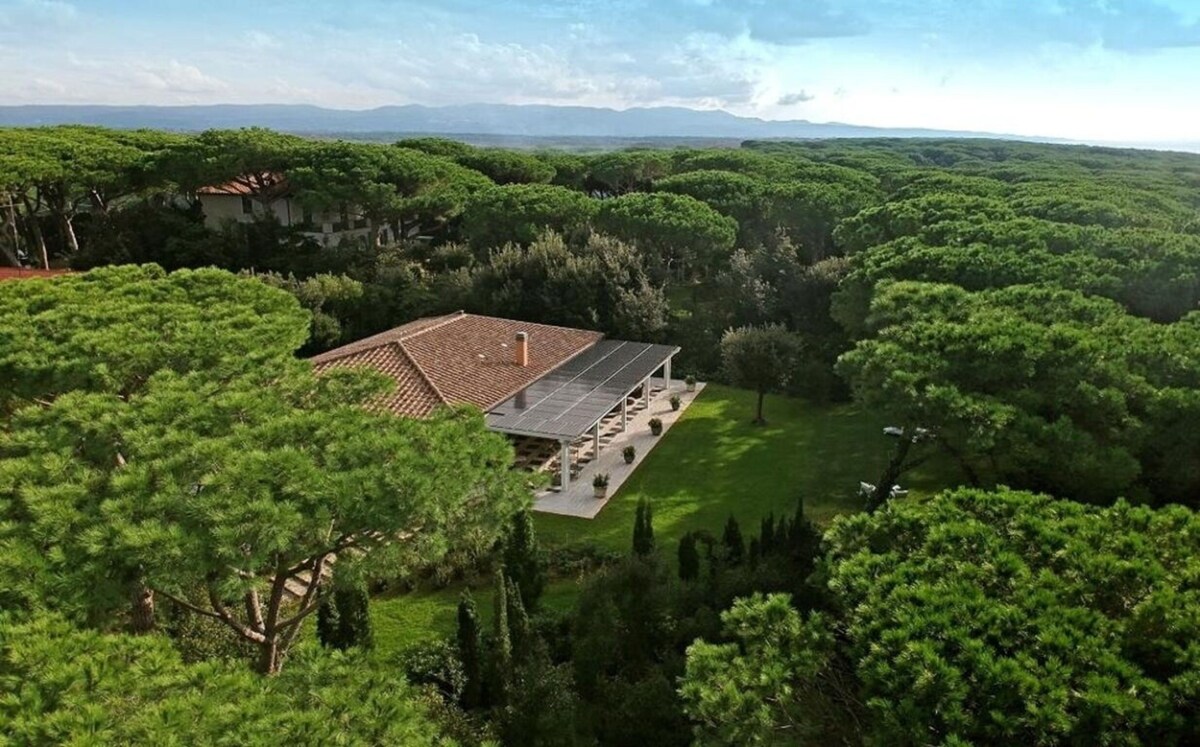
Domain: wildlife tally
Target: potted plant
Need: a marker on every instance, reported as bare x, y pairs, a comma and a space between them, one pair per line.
675, 401
691, 383
600, 485
629, 453
656, 426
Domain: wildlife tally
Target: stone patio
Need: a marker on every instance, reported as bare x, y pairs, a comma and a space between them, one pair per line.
579, 498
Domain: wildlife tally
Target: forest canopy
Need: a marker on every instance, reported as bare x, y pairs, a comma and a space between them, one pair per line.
1024, 316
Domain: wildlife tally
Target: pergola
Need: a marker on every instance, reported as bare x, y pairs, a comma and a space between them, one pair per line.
570, 401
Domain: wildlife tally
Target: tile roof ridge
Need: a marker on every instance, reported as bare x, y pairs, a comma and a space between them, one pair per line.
453, 316
356, 347
599, 335
421, 371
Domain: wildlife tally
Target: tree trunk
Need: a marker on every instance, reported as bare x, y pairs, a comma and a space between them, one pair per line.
68, 227
268, 657
373, 231
35, 229
43, 253
98, 202
141, 616
11, 220
959, 458
758, 418
883, 489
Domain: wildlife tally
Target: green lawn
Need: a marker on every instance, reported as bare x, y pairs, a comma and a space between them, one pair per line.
400, 621
712, 463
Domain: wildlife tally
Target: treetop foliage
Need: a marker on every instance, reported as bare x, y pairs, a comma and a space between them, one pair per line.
64, 685
973, 617
1016, 377
111, 329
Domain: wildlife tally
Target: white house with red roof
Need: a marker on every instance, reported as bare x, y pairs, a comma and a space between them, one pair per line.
246, 198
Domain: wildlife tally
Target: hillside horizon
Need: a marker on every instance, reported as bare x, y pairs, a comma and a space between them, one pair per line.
525, 120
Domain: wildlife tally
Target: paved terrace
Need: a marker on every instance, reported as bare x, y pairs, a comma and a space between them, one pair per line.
579, 498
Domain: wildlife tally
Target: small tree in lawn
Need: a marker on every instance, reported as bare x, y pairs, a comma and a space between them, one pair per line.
643, 529
522, 559
759, 358
470, 651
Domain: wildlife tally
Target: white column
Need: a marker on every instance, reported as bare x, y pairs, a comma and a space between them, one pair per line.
624, 413
564, 466
646, 391
596, 438
667, 374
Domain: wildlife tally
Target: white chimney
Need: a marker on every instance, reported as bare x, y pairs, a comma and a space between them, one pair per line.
521, 358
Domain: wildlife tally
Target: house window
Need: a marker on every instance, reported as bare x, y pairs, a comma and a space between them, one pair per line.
247, 206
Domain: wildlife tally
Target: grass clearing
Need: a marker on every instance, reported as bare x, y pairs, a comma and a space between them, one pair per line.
712, 463
402, 620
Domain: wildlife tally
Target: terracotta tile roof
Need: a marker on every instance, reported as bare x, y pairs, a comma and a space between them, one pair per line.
272, 183
458, 358
21, 273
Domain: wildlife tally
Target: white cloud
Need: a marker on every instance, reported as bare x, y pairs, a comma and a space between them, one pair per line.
260, 41
176, 77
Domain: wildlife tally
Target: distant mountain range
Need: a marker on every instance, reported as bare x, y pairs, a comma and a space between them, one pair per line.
525, 121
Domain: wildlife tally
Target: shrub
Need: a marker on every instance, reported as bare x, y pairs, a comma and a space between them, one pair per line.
434, 663
581, 559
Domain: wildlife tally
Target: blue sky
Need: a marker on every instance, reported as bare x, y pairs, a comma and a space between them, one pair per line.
1119, 70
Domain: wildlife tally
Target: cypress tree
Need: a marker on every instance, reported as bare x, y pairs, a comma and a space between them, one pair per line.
520, 630
344, 618
755, 552
470, 652
643, 529
766, 535
735, 546
502, 664
354, 615
522, 559
689, 558
329, 630
648, 528
637, 527
804, 542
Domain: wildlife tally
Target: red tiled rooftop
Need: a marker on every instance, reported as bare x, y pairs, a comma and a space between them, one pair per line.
272, 183
458, 358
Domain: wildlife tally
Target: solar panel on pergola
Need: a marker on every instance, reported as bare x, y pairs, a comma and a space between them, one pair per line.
565, 403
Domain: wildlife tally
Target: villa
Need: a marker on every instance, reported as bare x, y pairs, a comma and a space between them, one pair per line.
561, 394
247, 198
